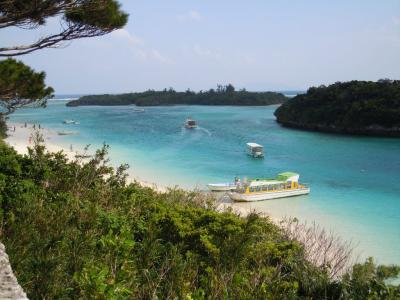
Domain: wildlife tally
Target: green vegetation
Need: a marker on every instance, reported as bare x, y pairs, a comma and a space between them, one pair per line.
223, 95
355, 107
21, 86
76, 230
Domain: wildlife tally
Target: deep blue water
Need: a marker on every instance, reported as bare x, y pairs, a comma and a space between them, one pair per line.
355, 181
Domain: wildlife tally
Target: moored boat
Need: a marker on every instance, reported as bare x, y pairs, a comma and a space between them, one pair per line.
221, 187
71, 122
65, 132
284, 185
255, 150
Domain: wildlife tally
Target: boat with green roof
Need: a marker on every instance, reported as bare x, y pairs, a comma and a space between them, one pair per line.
284, 185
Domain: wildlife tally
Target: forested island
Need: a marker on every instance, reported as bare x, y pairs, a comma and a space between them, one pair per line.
355, 107
223, 95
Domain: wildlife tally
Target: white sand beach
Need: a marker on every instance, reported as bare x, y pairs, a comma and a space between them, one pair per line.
20, 137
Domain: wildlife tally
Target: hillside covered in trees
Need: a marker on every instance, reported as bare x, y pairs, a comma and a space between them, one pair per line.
223, 95
76, 230
355, 107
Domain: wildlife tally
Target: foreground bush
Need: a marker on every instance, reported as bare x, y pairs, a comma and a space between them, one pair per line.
76, 230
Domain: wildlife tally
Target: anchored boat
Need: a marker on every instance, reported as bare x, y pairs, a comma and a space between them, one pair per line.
221, 187
71, 122
255, 150
284, 185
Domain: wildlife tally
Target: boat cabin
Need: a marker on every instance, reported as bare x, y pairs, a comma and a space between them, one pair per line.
284, 181
190, 123
255, 150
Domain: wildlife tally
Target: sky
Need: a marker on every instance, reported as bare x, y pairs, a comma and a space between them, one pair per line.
258, 45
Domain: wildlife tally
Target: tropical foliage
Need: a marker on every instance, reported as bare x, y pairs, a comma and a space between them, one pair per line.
223, 95
360, 107
76, 230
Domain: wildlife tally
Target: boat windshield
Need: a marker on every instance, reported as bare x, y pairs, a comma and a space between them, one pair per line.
191, 122
257, 149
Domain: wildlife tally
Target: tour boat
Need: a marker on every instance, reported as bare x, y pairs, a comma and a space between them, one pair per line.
190, 123
255, 150
284, 185
221, 187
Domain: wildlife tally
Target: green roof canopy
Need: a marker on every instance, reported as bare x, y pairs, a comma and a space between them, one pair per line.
286, 175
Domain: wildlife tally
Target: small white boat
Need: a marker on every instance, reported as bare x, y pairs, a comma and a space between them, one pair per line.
221, 187
284, 185
255, 150
71, 122
138, 110
65, 132
190, 124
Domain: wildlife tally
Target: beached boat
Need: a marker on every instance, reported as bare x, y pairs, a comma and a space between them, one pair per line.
255, 150
190, 123
221, 187
284, 185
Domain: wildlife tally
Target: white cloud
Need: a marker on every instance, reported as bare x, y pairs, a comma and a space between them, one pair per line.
126, 35
159, 57
207, 53
191, 15
137, 45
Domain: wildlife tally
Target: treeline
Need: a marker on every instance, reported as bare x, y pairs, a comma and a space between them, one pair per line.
76, 230
223, 95
355, 107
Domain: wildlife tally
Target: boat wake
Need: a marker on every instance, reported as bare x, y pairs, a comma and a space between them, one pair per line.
195, 130
204, 130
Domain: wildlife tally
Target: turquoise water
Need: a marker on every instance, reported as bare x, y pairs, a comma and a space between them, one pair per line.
355, 189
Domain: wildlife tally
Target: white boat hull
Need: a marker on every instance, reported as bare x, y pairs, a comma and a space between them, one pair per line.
268, 195
221, 187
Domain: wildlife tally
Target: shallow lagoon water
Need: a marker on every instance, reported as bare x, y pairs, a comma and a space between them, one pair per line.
355, 181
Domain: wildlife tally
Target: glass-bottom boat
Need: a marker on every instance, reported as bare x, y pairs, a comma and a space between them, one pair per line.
284, 185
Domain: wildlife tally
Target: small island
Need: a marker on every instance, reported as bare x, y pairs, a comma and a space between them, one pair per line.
223, 95
355, 107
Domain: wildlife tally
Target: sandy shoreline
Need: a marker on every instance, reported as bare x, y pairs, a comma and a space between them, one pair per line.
20, 137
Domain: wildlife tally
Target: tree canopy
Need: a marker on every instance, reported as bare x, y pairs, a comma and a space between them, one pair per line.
78, 18
20, 86
357, 107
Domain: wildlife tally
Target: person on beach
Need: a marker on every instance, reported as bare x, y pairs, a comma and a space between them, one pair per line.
70, 147
34, 126
39, 126
25, 125
14, 128
30, 140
